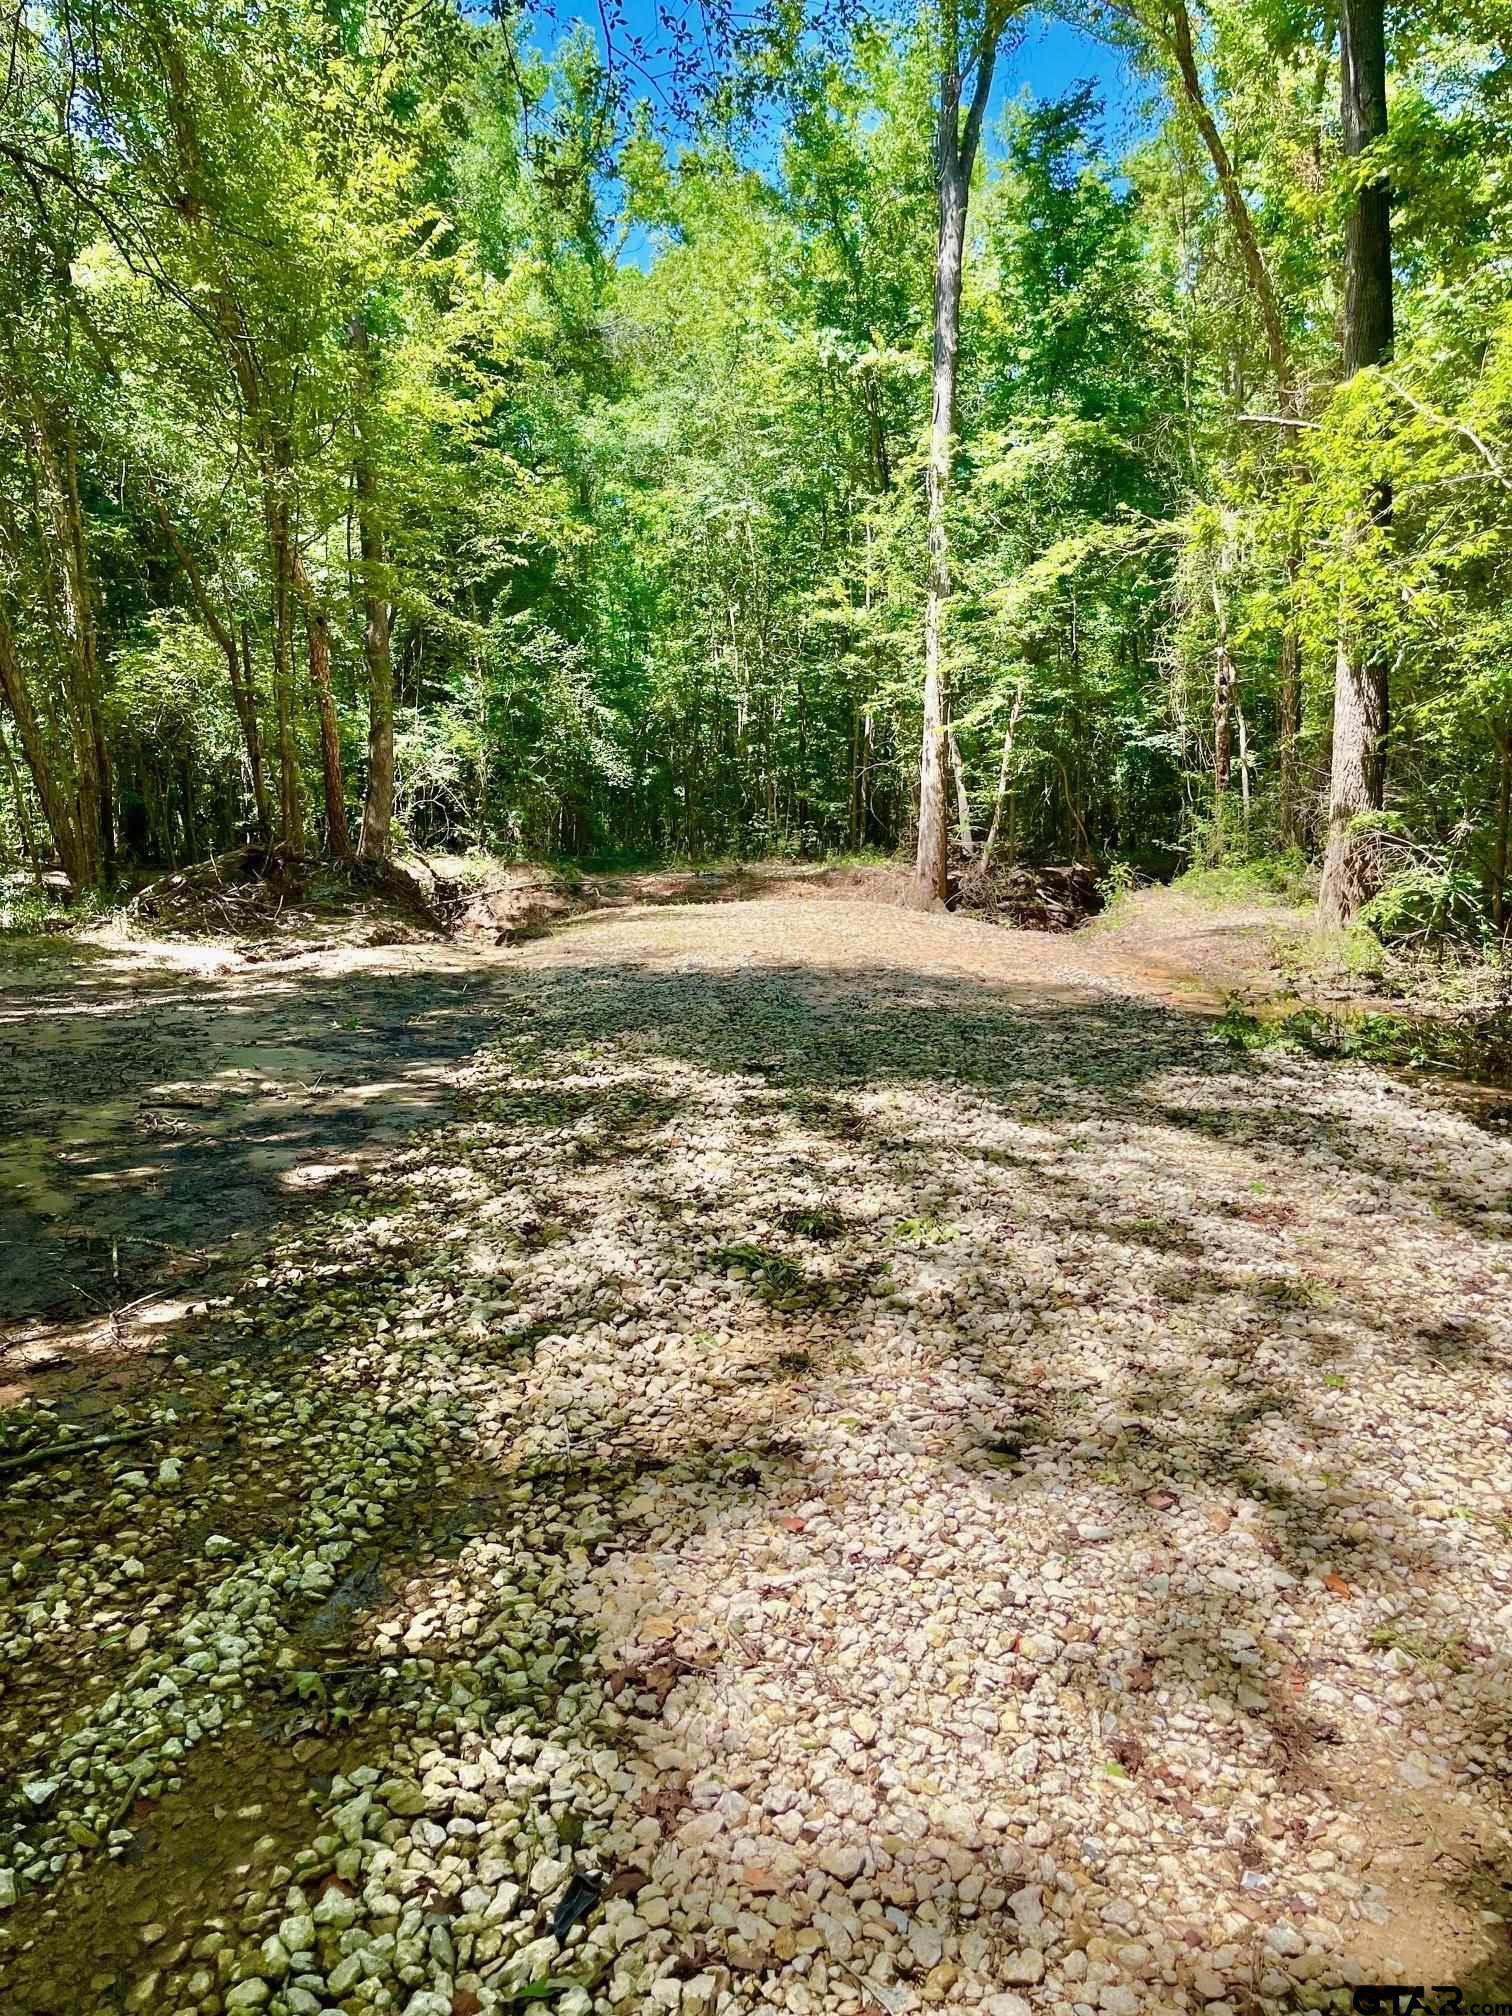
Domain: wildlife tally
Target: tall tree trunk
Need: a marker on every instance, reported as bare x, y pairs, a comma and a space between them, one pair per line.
69, 597
80, 861
1351, 866
378, 800
1267, 301
82, 597
1225, 696
281, 554
1257, 273
955, 155
254, 737
318, 632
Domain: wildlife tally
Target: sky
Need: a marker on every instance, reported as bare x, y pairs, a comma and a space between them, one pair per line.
1050, 59
1054, 57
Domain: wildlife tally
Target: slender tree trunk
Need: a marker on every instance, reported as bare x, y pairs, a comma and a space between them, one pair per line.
82, 598
69, 595
989, 845
378, 800
1361, 701
930, 859
1244, 776
281, 554
238, 667
1225, 687
963, 802
1225, 703
1235, 206
1278, 349
955, 155
254, 738
318, 633
1289, 709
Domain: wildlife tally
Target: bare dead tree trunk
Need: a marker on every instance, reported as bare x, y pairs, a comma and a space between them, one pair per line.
1351, 866
955, 155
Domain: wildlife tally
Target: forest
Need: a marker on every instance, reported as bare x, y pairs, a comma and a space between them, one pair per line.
755, 1008
673, 438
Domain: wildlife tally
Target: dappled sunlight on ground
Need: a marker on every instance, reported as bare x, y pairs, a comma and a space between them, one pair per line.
920, 1474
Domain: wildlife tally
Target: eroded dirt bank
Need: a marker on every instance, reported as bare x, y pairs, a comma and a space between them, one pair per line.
856, 1460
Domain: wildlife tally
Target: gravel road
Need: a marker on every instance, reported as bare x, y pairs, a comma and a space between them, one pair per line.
856, 1461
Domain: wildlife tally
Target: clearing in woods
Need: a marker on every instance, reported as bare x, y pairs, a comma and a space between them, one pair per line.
783, 1455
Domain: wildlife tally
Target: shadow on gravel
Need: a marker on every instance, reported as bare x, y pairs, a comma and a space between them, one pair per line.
153, 1120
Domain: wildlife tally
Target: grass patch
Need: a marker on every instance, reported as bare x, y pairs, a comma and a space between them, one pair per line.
29, 912
1449, 1653
816, 1222
1475, 1046
926, 1231
1283, 880
779, 1281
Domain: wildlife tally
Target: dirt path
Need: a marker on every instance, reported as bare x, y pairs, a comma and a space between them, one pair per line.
856, 1460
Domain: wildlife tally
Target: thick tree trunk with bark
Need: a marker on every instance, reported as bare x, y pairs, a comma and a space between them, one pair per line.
955, 155
69, 836
1361, 701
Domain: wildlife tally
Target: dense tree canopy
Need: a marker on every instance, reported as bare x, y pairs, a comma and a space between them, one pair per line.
423, 429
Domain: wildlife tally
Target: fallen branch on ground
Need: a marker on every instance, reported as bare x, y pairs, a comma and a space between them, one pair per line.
52, 1450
